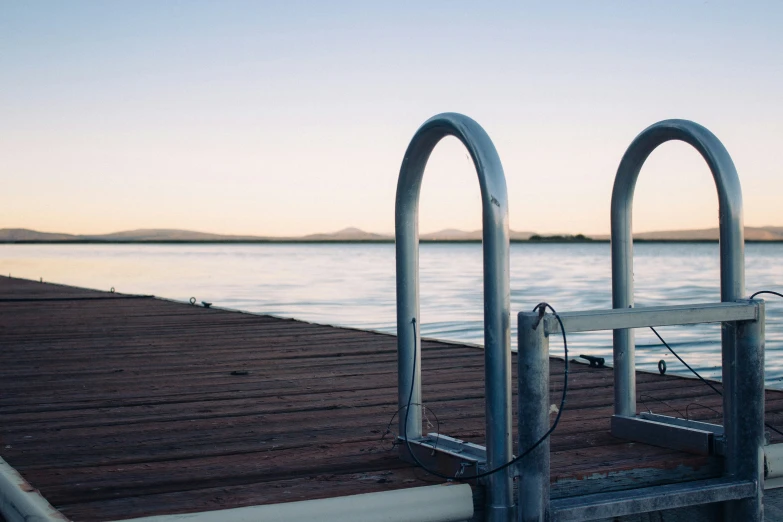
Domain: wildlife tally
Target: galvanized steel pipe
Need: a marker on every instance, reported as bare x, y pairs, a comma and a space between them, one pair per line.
745, 430
533, 420
497, 343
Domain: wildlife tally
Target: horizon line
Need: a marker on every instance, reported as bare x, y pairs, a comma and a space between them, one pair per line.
350, 229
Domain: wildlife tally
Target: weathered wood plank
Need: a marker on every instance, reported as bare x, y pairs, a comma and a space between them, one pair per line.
128, 407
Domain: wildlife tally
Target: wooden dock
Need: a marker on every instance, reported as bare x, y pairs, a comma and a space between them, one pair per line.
117, 406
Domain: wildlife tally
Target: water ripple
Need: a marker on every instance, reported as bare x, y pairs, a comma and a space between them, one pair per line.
354, 285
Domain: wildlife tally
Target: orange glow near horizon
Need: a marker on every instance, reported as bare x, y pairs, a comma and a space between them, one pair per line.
276, 121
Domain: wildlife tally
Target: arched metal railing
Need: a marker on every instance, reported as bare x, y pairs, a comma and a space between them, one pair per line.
732, 242
497, 344
741, 437
739, 446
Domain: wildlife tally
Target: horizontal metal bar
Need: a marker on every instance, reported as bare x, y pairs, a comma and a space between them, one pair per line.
717, 429
718, 440
595, 320
663, 434
646, 500
457, 446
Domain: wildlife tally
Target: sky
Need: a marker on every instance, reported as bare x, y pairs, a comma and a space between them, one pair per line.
291, 117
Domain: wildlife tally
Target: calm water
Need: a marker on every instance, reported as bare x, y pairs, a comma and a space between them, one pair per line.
353, 285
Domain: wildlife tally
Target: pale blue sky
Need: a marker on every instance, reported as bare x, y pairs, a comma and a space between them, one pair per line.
292, 117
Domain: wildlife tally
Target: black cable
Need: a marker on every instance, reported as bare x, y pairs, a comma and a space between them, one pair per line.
716, 412
540, 307
766, 292
641, 399
388, 426
708, 383
702, 378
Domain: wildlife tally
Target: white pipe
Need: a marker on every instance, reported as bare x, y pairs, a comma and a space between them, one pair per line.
773, 466
443, 503
21, 502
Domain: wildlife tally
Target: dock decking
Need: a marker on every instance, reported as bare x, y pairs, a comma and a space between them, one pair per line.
118, 406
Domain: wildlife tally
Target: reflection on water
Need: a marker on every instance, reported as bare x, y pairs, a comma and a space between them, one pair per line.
353, 285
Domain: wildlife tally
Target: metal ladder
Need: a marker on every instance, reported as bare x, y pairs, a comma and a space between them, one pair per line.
741, 487
740, 440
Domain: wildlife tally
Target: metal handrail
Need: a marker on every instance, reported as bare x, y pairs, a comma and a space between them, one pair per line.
732, 243
732, 282
497, 341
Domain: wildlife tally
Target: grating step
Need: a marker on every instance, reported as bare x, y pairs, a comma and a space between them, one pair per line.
645, 500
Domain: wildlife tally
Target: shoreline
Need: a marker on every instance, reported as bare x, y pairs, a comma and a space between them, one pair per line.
345, 241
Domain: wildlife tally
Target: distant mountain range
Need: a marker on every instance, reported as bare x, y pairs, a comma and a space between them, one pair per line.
22, 235
451, 234
10, 235
706, 234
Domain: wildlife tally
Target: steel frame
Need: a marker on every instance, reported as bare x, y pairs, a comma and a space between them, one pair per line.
741, 439
744, 451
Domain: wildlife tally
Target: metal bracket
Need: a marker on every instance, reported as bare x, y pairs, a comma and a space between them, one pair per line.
717, 429
446, 455
697, 437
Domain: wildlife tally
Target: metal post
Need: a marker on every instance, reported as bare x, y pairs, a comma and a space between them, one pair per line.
497, 342
745, 430
732, 245
533, 471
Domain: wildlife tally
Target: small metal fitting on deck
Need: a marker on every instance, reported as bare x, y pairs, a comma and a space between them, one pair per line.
595, 362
